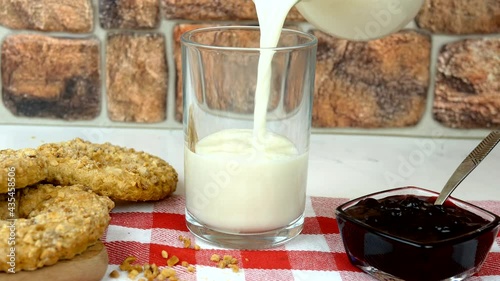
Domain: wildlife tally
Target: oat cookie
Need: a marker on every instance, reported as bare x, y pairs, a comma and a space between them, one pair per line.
24, 167
109, 170
55, 223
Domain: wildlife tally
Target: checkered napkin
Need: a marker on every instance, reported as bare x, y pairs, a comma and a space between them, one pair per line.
143, 230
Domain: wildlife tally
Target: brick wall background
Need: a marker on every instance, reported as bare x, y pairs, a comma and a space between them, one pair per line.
117, 63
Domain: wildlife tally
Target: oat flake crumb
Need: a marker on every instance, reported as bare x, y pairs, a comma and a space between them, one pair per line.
164, 254
172, 261
114, 274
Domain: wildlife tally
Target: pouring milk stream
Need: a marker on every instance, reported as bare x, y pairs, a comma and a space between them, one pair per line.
263, 154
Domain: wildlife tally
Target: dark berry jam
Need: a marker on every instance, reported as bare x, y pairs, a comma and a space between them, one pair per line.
416, 218
409, 238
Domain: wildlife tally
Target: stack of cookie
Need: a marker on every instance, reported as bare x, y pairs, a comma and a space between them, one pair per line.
57, 197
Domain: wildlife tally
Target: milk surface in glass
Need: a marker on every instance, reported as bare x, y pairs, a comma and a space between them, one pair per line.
249, 181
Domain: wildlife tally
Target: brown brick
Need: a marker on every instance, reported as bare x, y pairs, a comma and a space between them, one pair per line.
460, 16
232, 96
375, 84
136, 77
47, 15
294, 16
51, 77
216, 10
467, 92
133, 14
177, 33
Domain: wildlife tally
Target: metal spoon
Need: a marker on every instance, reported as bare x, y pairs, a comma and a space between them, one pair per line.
468, 165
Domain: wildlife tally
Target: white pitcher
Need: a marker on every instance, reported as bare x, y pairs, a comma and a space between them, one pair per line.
359, 19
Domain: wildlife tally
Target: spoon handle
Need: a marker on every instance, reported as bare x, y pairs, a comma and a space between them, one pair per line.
468, 165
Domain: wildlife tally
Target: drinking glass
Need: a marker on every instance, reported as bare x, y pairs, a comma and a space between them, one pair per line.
247, 123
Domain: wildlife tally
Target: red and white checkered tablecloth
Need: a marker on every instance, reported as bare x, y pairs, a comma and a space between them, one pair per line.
145, 229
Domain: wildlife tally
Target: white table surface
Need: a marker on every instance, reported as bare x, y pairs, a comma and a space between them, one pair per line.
345, 166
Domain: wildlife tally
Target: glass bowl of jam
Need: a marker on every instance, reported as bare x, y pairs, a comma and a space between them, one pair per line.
399, 234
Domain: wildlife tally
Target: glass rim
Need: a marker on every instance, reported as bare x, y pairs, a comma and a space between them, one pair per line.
185, 39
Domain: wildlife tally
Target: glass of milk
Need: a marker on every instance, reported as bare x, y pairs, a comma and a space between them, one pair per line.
247, 122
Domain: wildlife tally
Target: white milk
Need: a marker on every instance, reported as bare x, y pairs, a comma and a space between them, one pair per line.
359, 19
235, 187
272, 15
